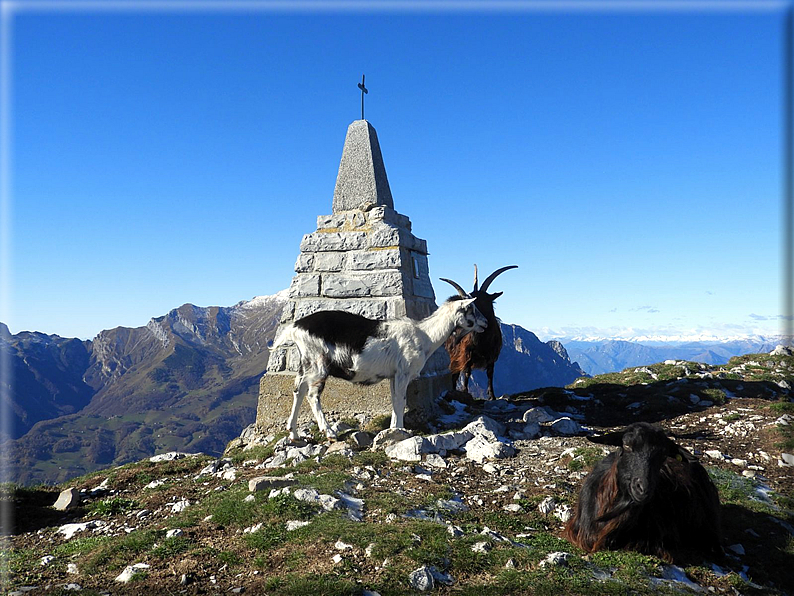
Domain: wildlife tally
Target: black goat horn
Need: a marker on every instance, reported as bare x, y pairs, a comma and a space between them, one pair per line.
460, 290
475, 278
493, 275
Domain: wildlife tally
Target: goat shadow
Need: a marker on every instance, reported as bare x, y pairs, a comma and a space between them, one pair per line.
767, 543
612, 404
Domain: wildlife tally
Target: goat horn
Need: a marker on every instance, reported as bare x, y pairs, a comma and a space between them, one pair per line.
460, 290
475, 278
493, 275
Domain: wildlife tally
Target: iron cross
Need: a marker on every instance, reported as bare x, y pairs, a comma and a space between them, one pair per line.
363, 91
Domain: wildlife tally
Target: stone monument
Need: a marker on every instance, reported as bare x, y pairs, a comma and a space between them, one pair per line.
364, 259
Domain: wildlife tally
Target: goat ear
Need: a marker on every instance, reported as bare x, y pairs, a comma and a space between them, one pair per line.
679, 453
466, 302
614, 438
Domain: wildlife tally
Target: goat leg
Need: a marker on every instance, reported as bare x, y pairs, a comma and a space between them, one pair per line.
489, 370
301, 387
398, 386
465, 374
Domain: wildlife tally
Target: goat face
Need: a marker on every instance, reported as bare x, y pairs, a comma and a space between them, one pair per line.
643, 450
468, 318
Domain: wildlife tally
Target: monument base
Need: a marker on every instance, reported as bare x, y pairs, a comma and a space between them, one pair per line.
342, 399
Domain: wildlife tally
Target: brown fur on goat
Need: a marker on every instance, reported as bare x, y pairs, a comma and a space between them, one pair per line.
651, 496
477, 350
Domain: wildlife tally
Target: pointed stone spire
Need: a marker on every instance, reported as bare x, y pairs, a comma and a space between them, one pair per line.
361, 182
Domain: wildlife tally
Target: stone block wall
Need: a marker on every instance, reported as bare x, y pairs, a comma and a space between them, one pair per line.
367, 262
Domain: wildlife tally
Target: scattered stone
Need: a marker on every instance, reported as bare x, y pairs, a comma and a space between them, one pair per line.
511, 564
337, 559
180, 506
540, 414
294, 525
72, 587
69, 530
454, 531
132, 570
268, 482
480, 448
170, 456
310, 495
68, 499
787, 459
343, 545
566, 426
72, 569
563, 513
513, 508
175, 533
435, 461
714, 454
481, 547
421, 579
249, 499
782, 350
489, 468
361, 439
390, 436
154, 484
547, 505
557, 559
410, 449
46, 560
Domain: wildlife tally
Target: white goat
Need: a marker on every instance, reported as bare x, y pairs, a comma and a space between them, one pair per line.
365, 351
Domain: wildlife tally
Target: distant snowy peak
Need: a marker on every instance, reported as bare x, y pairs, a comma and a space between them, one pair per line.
263, 301
670, 339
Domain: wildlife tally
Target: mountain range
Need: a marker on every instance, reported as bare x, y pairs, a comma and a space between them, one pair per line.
187, 381
608, 355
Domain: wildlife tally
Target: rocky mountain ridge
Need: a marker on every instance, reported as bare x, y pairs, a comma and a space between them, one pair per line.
187, 380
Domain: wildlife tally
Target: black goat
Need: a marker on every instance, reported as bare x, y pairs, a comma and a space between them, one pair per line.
651, 496
477, 350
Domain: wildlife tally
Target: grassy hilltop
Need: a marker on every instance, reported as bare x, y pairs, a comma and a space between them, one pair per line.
476, 528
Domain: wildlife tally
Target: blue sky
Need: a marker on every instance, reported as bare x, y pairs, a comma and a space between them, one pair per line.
629, 161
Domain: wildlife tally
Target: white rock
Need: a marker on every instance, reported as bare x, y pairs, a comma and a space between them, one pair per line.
787, 459
481, 547
513, 508
408, 449
294, 525
480, 448
489, 468
343, 545
72, 587
68, 499
566, 427
389, 436
170, 456
310, 495
482, 425
130, 572
249, 499
180, 506
448, 441
175, 533
669, 362
421, 579
154, 484
46, 560
337, 559
714, 454
69, 530
540, 414
547, 505
563, 513
454, 531
72, 568
435, 461
557, 559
